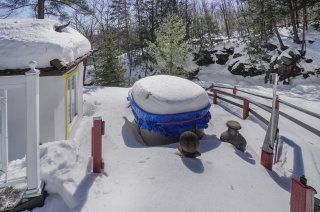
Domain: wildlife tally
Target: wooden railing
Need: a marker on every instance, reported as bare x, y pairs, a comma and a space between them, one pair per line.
216, 93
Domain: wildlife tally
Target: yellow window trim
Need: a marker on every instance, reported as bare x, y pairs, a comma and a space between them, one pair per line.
66, 77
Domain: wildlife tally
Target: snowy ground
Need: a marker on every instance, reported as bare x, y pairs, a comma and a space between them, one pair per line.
140, 178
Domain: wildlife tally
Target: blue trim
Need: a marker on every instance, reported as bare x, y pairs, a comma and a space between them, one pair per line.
167, 124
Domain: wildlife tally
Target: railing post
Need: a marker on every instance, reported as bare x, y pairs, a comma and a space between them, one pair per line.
215, 96
97, 132
245, 113
234, 90
266, 159
268, 144
302, 197
92, 141
4, 131
277, 103
32, 132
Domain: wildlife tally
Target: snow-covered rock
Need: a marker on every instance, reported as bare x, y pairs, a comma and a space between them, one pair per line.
24, 40
164, 94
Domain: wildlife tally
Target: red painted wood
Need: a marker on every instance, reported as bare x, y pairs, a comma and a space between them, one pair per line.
266, 160
97, 145
215, 96
245, 109
234, 90
92, 138
277, 103
302, 197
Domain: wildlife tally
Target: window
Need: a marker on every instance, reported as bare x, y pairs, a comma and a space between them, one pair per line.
72, 97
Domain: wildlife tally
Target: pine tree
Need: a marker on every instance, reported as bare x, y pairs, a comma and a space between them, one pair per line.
109, 70
170, 48
57, 8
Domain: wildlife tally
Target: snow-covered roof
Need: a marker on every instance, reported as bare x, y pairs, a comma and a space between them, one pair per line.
163, 94
23, 40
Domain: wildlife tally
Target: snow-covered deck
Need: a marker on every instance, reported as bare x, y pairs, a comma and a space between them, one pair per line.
140, 178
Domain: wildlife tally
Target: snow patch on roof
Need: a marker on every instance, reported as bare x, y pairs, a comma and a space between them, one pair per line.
23, 40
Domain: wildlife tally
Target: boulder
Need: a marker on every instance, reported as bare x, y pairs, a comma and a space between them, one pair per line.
244, 69
285, 60
231, 65
238, 69
305, 75
308, 60
236, 55
229, 51
203, 58
222, 58
287, 65
284, 48
266, 58
269, 46
295, 56
213, 51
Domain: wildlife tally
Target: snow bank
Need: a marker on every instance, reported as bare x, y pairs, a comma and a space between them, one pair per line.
24, 40
163, 94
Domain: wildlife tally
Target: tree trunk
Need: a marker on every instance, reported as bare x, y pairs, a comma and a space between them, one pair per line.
40, 14
128, 41
304, 44
293, 23
297, 13
187, 20
279, 37
224, 12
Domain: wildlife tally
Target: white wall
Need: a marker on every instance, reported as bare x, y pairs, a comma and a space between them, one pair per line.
16, 123
52, 108
52, 113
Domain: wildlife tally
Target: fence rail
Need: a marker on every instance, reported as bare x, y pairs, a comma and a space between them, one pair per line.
235, 89
267, 108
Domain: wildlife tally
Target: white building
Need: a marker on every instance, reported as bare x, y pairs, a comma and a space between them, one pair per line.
59, 55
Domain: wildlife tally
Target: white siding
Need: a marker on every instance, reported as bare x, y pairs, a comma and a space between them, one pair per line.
16, 123
52, 108
52, 114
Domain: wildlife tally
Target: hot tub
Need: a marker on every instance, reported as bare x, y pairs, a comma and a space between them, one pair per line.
166, 106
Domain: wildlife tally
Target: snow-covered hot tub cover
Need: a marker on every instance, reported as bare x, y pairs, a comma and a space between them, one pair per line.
24, 40
169, 105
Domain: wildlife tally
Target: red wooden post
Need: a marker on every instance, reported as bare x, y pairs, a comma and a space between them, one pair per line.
245, 109
234, 90
302, 197
92, 139
266, 160
215, 96
97, 132
277, 103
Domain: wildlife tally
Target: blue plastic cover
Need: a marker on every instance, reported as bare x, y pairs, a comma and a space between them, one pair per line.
170, 125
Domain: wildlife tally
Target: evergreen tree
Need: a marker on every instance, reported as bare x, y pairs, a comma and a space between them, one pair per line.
57, 8
109, 70
170, 48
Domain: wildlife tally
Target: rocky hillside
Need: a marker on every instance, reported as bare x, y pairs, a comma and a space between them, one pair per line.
242, 58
